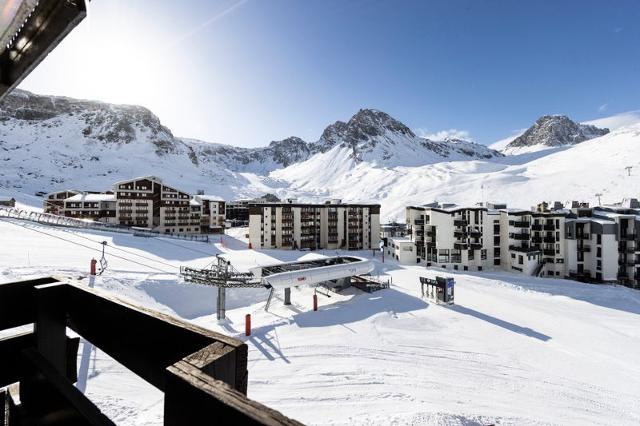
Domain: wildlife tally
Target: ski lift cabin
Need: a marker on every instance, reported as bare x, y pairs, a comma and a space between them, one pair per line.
439, 290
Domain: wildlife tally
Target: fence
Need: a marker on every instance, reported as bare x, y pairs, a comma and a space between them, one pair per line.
203, 374
69, 222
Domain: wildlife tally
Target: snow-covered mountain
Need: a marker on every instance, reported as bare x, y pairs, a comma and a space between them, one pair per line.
50, 143
551, 131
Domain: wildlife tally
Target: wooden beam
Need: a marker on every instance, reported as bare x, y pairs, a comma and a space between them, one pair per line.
143, 340
195, 398
11, 348
50, 398
17, 302
51, 324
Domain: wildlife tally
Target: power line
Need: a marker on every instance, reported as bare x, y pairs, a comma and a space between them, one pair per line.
91, 248
121, 249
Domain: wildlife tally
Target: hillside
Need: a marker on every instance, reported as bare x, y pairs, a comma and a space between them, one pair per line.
51, 143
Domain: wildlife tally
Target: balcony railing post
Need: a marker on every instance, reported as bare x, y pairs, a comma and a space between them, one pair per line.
51, 324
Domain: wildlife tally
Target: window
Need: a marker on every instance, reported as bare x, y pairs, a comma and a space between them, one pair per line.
599, 252
599, 239
520, 260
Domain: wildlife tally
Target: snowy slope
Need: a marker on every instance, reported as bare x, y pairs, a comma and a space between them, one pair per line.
513, 350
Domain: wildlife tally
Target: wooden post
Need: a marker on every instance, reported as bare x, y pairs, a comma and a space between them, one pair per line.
315, 302
93, 267
247, 325
287, 296
51, 324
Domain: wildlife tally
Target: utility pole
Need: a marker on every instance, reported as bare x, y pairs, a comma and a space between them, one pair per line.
628, 169
599, 195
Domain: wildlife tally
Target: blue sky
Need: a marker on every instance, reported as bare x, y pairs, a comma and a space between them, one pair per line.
245, 72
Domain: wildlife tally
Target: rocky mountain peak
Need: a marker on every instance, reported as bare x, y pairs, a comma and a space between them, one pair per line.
556, 130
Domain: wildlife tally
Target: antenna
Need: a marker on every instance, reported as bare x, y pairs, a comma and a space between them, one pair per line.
599, 195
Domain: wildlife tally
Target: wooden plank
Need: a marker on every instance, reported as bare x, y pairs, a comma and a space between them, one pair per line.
194, 398
145, 341
47, 394
51, 324
11, 348
217, 360
17, 302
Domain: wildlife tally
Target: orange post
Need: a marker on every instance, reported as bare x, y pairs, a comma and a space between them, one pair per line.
247, 325
250, 246
93, 266
315, 302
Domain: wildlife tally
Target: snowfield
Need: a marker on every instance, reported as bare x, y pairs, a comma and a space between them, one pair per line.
512, 350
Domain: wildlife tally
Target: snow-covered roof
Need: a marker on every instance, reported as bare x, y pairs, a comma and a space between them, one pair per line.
210, 197
2, 198
155, 178
193, 202
92, 197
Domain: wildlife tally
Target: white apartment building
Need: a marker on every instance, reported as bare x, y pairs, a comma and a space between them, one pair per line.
599, 244
213, 213
333, 225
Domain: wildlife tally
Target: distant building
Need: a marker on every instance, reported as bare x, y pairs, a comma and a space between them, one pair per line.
333, 225
96, 207
147, 202
392, 229
7, 202
54, 201
596, 244
213, 213
402, 249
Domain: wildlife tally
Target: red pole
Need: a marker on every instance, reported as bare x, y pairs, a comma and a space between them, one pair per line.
382, 255
247, 325
315, 302
93, 266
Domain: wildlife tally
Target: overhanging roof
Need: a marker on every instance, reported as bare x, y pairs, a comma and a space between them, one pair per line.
29, 31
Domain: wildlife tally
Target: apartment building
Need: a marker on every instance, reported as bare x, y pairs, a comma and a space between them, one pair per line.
213, 213
598, 244
452, 236
333, 225
100, 207
54, 201
604, 244
147, 202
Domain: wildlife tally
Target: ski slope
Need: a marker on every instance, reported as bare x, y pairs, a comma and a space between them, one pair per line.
512, 350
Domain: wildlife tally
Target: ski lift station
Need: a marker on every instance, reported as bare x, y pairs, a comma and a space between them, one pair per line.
335, 273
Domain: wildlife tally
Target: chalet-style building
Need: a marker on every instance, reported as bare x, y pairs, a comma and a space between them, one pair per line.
7, 201
97, 207
147, 202
54, 201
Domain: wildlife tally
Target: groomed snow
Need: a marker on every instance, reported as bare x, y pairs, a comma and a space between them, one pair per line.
513, 350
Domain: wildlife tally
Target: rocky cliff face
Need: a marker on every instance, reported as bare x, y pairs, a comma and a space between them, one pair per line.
556, 130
